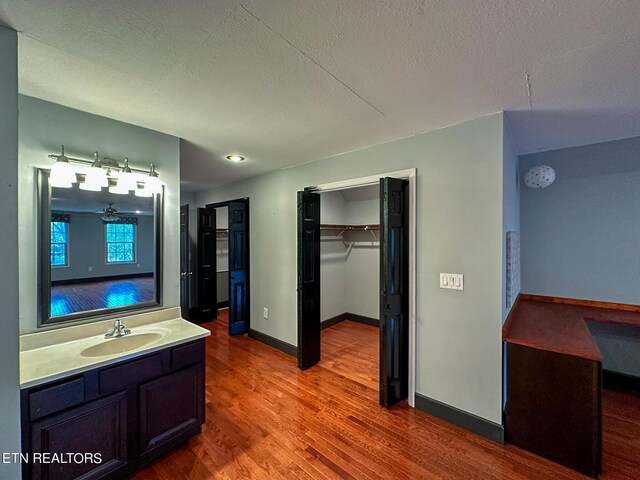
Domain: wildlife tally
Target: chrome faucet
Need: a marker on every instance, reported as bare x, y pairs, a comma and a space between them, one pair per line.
119, 330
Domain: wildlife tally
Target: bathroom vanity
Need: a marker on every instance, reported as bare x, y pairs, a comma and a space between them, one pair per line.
123, 401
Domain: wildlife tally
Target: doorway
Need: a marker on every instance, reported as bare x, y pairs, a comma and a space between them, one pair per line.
350, 280
224, 273
396, 287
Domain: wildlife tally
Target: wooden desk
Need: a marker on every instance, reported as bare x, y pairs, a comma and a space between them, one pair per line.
554, 380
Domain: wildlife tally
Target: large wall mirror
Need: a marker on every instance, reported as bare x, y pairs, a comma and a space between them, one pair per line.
100, 252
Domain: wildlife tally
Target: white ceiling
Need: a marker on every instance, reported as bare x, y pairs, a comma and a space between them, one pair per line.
290, 81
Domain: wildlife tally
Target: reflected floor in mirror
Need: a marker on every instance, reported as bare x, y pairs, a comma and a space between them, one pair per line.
83, 296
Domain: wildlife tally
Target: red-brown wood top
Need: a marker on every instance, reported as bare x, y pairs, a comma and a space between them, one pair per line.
561, 327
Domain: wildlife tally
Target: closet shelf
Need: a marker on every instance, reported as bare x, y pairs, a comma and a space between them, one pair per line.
222, 232
351, 228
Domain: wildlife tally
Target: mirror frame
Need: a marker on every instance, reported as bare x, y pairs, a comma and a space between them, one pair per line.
43, 232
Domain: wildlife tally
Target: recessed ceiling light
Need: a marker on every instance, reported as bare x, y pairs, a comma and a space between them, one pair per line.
235, 158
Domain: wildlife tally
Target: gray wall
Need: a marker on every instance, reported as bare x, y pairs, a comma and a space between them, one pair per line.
86, 249
619, 346
349, 275
43, 126
333, 256
580, 235
510, 207
9, 373
362, 270
459, 228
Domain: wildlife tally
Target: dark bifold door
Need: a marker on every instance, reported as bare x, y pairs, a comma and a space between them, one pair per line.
238, 268
308, 279
394, 291
185, 267
207, 292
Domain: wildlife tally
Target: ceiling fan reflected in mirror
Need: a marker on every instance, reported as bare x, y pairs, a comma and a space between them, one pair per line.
110, 214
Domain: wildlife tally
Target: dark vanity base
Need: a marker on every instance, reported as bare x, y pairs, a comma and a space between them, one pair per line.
127, 414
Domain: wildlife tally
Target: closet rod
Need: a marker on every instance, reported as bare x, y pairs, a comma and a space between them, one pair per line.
330, 226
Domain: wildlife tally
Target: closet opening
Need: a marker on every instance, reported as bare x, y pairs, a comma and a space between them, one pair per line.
222, 270
356, 275
349, 282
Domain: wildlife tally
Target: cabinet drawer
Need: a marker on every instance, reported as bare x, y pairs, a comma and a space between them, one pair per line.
58, 397
185, 355
116, 378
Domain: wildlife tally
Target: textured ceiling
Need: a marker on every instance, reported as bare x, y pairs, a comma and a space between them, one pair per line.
290, 81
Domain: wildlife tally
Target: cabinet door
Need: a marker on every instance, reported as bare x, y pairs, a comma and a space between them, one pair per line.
170, 407
98, 428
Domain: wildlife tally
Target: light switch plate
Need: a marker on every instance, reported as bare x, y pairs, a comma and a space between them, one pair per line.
452, 281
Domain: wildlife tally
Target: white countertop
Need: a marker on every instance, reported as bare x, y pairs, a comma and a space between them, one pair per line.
44, 361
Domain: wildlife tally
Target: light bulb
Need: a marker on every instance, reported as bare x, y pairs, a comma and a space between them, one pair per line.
89, 187
117, 189
154, 185
126, 178
62, 173
144, 192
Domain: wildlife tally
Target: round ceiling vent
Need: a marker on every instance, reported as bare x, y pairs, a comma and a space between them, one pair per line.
540, 176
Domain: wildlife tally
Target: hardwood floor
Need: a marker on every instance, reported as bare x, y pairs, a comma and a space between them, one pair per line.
84, 296
266, 419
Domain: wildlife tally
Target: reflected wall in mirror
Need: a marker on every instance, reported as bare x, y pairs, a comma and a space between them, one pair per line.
99, 252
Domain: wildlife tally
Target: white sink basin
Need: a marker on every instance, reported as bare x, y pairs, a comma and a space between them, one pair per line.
117, 345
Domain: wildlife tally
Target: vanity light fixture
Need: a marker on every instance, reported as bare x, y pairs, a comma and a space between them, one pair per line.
126, 178
153, 182
236, 158
97, 176
144, 192
62, 174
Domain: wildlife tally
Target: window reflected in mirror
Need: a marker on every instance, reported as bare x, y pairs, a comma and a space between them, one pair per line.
101, 255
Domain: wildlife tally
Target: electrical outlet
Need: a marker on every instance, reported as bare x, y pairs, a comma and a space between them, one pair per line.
265, 313
452, 281
91, 269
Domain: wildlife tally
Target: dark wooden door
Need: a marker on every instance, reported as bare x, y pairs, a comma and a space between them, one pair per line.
98, 427
207, 289
170, 406
394, 291
308, 279
185, 266
239, 309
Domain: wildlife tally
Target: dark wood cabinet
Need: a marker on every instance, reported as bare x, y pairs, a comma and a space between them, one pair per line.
169, 406
554, 407
119, 417
98, 428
